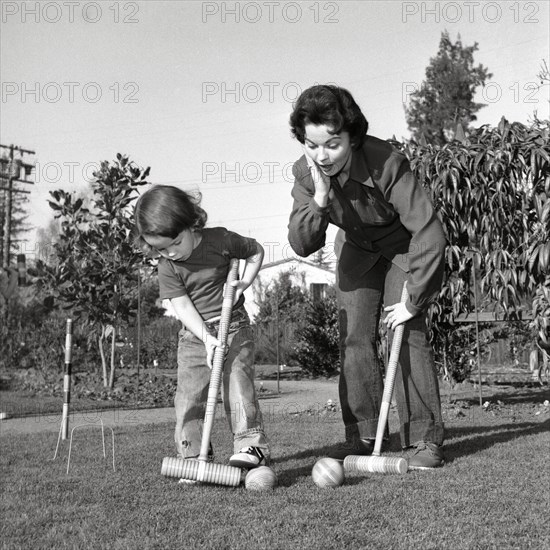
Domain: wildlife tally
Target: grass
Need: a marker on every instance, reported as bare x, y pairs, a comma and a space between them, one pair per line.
492, 493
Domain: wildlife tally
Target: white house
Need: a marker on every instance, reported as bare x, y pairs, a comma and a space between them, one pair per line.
311, 277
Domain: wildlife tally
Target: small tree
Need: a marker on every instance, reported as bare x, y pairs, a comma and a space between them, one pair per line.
94, 267
544, 74
317, 348
324, 257
446, 97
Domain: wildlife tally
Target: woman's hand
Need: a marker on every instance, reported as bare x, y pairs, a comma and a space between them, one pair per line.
320, 181
397, 315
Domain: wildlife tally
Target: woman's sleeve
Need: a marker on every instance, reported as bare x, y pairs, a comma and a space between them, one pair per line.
427, 248
308, 221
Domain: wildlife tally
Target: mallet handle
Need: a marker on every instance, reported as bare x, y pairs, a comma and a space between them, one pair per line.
390, 379
219, 356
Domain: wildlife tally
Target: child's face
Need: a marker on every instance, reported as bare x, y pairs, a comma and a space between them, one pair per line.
178, 249
330, 152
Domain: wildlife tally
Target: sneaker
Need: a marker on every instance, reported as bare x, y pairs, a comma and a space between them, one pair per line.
363, 447
249, 457
426, 456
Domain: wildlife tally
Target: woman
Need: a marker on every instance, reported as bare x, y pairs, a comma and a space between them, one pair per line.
389, 234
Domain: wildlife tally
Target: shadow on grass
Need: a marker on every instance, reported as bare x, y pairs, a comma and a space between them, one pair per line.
393, 445
528, 394
288, 477
471, 440
487, 436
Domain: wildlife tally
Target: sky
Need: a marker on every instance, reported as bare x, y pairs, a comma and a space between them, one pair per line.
202, 91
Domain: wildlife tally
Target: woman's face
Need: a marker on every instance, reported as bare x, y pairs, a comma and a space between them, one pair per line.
329, 152
178, 249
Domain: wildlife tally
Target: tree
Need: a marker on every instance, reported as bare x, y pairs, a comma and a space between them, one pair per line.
46, 237
281, 307
94, 267
446, 97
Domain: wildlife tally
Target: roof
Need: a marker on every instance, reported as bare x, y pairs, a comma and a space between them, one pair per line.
298, 260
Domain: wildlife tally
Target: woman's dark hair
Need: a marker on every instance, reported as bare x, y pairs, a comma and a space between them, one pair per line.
332, 106
165, 211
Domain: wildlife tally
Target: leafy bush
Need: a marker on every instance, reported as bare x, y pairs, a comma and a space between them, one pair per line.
33, 337
159, 341
491, 189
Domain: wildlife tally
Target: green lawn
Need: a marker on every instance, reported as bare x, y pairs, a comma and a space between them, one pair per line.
493, 492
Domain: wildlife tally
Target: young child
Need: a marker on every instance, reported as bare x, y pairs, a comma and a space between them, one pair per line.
192, 272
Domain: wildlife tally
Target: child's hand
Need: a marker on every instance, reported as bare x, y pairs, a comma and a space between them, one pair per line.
210, 343
240, 287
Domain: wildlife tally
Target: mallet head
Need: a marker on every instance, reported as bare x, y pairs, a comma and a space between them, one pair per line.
375, 464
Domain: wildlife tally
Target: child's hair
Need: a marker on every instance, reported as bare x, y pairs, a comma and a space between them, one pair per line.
166, 211
332, 106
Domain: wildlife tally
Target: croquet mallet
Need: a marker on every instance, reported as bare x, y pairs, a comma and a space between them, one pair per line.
202, 470
377, 463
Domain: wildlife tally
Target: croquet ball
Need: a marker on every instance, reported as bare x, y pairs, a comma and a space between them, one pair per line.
328, 472
261, 478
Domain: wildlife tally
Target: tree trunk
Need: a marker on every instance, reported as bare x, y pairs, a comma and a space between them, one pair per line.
113, 347
138, 343
534, 359
101, 339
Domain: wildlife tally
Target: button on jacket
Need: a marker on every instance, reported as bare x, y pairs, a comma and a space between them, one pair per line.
381, 210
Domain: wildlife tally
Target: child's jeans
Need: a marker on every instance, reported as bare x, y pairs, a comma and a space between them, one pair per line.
238, 392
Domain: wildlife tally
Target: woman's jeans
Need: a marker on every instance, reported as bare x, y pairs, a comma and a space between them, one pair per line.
360, 298
238, 392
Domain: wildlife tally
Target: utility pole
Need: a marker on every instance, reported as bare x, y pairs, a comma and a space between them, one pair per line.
10, 172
